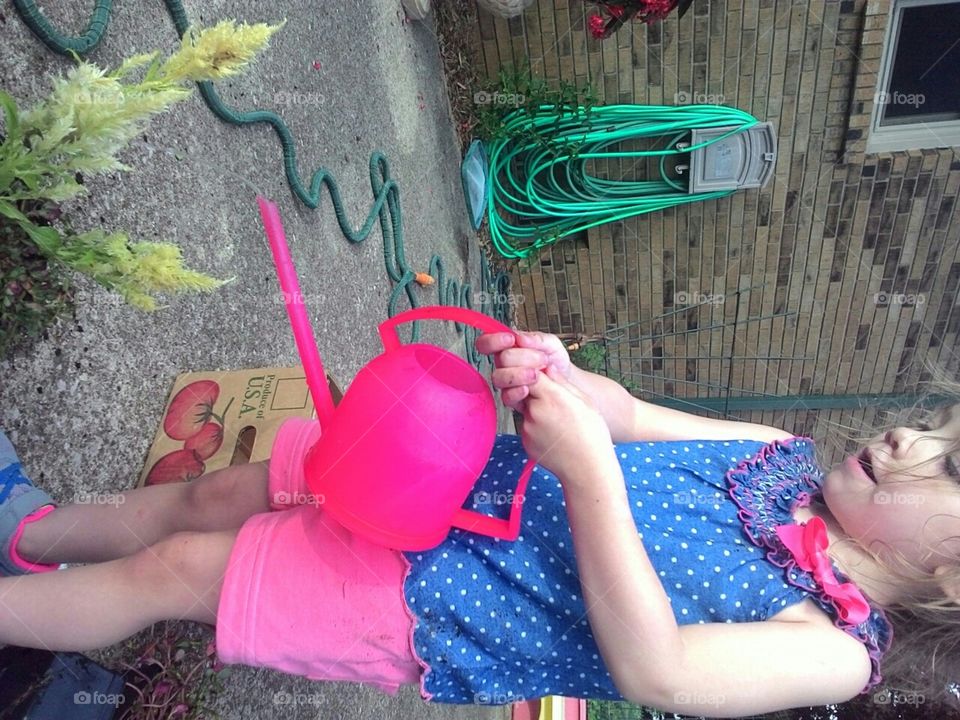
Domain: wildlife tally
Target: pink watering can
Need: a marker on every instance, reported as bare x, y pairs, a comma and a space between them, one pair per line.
400, 454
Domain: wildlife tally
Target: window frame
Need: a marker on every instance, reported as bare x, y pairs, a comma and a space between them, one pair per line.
907, 136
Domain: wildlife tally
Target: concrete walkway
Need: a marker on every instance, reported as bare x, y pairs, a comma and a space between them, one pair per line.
349, 78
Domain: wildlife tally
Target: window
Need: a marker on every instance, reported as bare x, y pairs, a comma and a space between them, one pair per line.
917, 101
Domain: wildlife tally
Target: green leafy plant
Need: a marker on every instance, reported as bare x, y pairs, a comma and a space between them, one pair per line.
32, 292
608, 710
592, 358
517, 89
176, 675
88, 118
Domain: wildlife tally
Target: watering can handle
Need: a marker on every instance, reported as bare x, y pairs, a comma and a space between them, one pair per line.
504, 529
391, 338
470, 520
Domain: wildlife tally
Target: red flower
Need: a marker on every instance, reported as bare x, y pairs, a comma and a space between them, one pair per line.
646, 11
657, 9
597, 25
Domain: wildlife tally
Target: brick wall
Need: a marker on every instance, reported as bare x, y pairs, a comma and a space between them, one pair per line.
833, 228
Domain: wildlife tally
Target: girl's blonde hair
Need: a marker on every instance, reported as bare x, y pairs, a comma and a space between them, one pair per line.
924, 659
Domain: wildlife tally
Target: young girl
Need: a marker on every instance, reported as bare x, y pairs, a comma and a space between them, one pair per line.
675, 561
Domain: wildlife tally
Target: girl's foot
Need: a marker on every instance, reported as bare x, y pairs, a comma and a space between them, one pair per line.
20, 504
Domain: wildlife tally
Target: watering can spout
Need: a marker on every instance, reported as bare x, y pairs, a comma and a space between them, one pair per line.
411, 435
296, 311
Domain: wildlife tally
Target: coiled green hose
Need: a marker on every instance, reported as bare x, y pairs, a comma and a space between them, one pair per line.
541, 190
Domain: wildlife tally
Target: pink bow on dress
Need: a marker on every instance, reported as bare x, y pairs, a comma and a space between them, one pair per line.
808, 544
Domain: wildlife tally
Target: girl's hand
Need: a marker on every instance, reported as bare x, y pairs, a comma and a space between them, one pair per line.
563, 429
519, 359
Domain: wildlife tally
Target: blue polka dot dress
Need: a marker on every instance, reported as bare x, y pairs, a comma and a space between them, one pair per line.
501, 621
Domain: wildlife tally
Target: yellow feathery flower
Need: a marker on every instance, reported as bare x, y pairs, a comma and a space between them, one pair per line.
159, 266
217, 52
58, 130
87, 119
135, 62
138, 299
92, 116
135, 270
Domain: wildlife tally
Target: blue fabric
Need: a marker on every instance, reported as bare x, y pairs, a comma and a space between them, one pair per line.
79, 689
10, 477
7, 454
10, 473
18, 499
499, 621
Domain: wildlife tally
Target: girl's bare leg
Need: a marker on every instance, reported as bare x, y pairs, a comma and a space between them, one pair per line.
120, 524
97, 605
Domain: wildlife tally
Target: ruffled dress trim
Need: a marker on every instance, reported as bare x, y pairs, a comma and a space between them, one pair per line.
425, 694
767, 488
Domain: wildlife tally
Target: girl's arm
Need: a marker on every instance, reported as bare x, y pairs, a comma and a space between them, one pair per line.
633, 420
715, 669
627, 607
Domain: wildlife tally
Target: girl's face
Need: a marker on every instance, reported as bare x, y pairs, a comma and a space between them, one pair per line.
903, 490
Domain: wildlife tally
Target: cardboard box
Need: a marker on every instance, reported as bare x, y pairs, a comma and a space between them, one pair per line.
217, 419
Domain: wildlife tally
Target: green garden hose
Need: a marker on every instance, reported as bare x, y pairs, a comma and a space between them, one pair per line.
541, 190
385, 188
